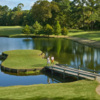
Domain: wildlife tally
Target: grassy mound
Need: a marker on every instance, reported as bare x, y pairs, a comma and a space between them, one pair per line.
79, 90
24, 59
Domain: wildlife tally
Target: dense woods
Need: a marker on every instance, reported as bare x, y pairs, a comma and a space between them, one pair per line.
81, 14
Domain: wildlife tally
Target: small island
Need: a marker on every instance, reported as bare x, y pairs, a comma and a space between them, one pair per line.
23, 61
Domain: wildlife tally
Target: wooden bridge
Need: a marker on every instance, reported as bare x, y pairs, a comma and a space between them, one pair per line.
75, 72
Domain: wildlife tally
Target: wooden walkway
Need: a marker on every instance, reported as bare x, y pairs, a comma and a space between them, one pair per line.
74, 72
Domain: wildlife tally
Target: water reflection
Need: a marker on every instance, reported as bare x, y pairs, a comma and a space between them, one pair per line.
71, 53
64, 51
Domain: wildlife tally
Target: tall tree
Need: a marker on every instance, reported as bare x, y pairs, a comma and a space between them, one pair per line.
48, 29
57, 29
42, 10
37, 28
93, 6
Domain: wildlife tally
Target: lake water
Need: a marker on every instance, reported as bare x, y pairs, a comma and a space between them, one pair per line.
65, 52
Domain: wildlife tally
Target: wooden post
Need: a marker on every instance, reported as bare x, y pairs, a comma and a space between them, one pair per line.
94, 74
64, 74
78, 71
52, 70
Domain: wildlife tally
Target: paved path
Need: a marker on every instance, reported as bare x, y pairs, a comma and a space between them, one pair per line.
91, 43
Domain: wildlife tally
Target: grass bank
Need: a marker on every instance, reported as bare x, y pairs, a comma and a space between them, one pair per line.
91, 35
24, 59
10, 30
16, 31
79, 90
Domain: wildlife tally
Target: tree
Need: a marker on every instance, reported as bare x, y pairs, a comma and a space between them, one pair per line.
42, 11
57, 29
26, 30
64, 31
19, 7
37, 28
48, 29
93, 6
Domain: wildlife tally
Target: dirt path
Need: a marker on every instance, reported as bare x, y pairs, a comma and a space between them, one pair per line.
98, 89
91, 43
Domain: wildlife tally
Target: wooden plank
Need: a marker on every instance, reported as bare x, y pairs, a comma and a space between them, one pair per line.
73, 71
76, 70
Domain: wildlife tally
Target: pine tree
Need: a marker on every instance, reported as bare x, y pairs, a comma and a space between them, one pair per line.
26, 30
57, 29
37, 28
48, 29
64, 31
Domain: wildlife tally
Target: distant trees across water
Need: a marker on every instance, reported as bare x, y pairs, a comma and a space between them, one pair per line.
81, 14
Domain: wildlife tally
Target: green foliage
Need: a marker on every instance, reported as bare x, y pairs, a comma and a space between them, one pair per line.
42, 10
48, 29
64, 31
57, 28
26, 30
37, 28
83, 14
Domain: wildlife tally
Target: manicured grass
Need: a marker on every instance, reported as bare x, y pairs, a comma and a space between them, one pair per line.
91, 35
10, 30
79, 90
16, 31
24, 59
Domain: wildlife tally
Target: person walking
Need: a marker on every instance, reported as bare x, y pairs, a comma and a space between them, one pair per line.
52, 60
48, 60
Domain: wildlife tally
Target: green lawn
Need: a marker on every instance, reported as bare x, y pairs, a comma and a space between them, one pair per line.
16, 31
79, 90
91, 35
10, 30
24, 59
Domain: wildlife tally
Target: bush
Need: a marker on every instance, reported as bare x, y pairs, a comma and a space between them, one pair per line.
48, 29
57, 29
64, 31
37, 28
26, 30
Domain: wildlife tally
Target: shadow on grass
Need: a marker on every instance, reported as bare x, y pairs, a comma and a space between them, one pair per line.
75, 31
38, 65
55, 98
89, 35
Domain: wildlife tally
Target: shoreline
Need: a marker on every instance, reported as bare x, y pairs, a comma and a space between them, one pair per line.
91, 43
19, 71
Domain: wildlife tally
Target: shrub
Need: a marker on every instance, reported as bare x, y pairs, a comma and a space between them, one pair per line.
37, 28
57, 28
64, 31
26, 30
48, 29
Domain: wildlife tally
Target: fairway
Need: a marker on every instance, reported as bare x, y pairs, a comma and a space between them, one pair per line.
10, 30
91, 35
24, 59
79, 90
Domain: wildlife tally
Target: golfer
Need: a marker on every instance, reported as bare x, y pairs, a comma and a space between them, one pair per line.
52, 60
48, 61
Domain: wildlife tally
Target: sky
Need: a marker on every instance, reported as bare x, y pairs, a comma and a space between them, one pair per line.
13, 3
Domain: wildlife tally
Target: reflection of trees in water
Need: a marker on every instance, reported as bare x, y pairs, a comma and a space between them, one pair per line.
69, 52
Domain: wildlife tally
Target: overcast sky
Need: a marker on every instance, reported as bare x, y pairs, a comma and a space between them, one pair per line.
13, 3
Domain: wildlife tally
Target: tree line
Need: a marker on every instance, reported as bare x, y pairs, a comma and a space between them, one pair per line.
80, 14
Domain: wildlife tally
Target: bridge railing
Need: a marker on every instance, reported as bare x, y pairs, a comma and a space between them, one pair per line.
73, 71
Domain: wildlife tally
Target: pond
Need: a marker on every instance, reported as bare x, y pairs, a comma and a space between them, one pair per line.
65, 52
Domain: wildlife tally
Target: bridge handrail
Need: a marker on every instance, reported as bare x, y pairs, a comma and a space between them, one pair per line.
74, 70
